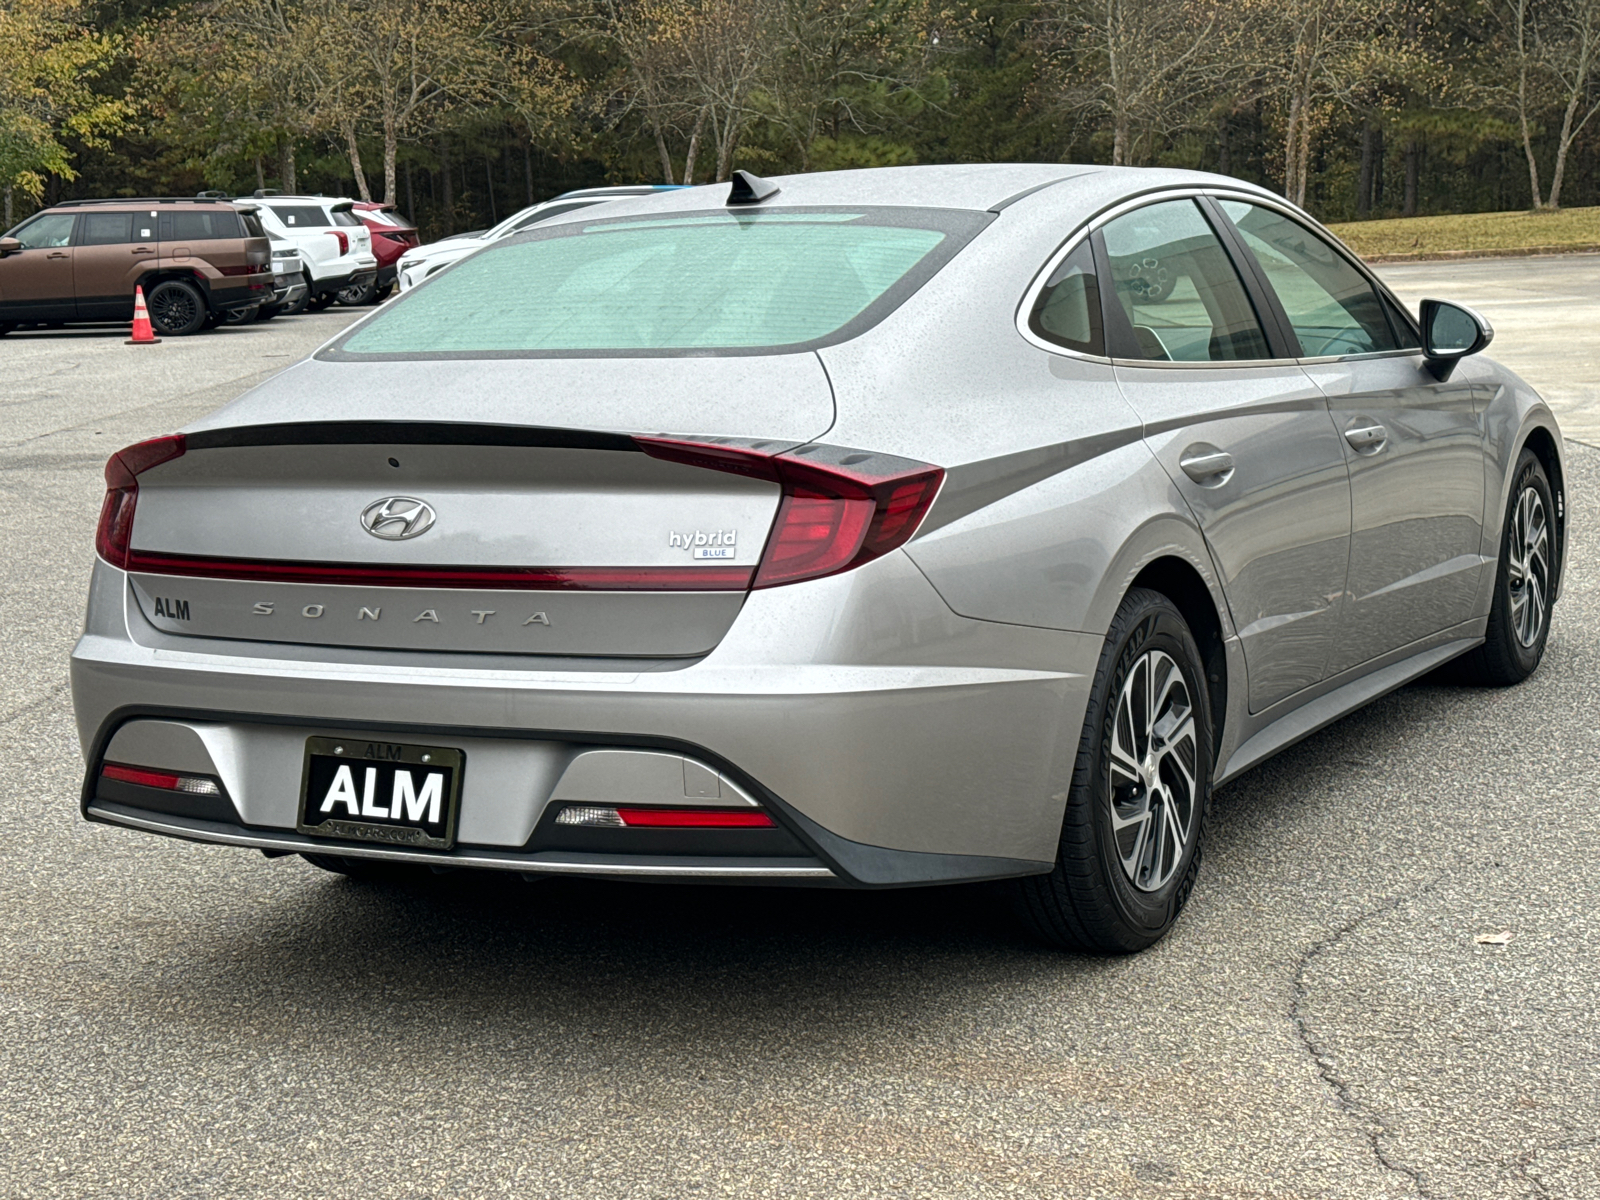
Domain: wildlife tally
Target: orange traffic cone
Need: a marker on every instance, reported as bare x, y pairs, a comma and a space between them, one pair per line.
143, 335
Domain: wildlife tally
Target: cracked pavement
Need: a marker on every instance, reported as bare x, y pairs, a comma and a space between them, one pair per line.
182, 1020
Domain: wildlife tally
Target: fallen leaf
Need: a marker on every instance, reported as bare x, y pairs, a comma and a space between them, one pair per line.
1493, 939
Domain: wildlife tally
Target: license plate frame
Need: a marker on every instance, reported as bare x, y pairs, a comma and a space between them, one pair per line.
324, 756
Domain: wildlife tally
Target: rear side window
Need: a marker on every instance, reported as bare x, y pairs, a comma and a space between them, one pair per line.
695, 282
182, 226
1178, 288
105, 229
1330, 304
301, 216
1068, 309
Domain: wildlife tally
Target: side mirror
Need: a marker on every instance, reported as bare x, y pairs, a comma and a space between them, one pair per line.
1450, 332
10, 246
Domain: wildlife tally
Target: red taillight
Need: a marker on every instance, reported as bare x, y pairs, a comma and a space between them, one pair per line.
840, 508
122, 493
344, 241
694, 818
141, 775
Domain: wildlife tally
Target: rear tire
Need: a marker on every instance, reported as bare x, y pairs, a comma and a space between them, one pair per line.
319, 302
176, 308
1524, 585
367, 870
382, 294
1135, 815
357, 294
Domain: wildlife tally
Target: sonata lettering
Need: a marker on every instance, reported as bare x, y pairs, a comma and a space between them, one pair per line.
179, 610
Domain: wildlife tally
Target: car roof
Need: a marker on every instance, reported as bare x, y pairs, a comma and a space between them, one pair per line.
140, 202
975, 186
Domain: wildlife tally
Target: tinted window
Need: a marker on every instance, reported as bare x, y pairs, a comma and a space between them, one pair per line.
198, 226
1401, 324
49, 230
301, 216
680, 283
1331, 306
346, 218
1068, 309
252, 225
105, 229
1178, 287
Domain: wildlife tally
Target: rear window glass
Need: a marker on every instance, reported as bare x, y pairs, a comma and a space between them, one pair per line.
383, 218
252, 225
345, 217
691, 283
301, 216
199, 226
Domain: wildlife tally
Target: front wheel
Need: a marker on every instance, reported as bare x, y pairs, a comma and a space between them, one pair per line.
1136, 811
1524, 586
176, 308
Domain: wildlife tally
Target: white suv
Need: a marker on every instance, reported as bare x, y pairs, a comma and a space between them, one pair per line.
421, 261
335, 247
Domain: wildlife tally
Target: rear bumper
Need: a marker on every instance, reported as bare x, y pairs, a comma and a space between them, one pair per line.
387, 275
337, 283
897, 742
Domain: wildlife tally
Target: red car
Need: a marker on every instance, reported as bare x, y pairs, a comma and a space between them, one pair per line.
392, 236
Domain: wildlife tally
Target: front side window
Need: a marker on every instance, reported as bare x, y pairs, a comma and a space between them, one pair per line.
1330, 305
1178, 288
46, 232
106, 229
1068, 309
678, 283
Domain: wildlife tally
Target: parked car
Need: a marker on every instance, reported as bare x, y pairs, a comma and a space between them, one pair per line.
81, 260
289, 290
392, 236
422, 261
862, 529
335, 247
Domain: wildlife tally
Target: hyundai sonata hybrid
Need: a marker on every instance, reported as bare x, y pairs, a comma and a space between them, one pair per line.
869, 529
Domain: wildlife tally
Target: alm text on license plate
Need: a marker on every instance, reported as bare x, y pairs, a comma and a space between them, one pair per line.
376, 791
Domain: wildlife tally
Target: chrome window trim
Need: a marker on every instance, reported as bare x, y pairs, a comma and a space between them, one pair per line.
1031, 296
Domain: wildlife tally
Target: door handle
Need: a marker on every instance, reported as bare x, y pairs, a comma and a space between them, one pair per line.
57, 254
1207, 466
1367, 439
143, 250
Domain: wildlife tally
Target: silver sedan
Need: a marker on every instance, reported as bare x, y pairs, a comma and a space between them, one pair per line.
866, 529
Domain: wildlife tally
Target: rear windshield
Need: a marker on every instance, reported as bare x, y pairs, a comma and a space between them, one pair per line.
735, 282
343, 216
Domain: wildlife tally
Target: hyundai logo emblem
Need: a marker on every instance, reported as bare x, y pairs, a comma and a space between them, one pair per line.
395, 518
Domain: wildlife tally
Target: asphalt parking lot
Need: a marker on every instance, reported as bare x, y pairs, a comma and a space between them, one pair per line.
181, 1020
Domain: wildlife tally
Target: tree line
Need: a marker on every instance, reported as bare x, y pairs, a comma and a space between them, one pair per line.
460, 111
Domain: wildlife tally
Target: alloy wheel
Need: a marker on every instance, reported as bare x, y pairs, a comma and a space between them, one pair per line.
173, 308
1528, 566
1152, 771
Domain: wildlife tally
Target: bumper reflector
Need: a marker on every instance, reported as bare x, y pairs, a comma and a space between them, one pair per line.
196, 785
594, 816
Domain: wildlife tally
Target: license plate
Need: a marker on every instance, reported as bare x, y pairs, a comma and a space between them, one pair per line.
381, 792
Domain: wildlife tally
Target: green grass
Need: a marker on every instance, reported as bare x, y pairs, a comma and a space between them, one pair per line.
1474, 233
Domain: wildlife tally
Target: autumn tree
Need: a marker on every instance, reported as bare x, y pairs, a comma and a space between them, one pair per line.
50, 60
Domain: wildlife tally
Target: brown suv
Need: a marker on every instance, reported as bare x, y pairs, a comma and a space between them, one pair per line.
80, 261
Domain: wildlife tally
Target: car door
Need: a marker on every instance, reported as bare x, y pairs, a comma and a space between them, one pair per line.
1244, 434
1414, 445
109, 253
36, 281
